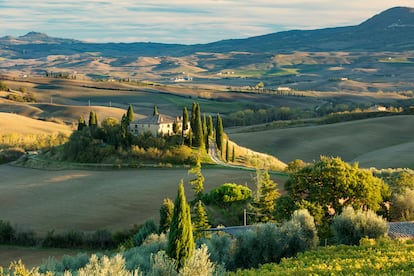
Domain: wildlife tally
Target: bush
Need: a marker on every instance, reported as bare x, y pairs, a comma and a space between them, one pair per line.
402, 206
221, 247
7, 232
270, 243
228, 193
350, 227
148, 228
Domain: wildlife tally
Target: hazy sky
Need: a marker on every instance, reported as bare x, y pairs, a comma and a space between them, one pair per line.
180, 21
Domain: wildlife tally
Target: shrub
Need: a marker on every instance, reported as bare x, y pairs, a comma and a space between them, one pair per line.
228, 193
221, 247
7, 232
402, 205
350, 226
148, 228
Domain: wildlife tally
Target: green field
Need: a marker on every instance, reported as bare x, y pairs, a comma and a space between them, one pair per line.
380, 142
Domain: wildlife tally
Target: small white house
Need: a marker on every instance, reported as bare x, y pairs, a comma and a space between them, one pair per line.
157, 125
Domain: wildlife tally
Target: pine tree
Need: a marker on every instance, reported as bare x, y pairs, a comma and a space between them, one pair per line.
180, 240
155, 112
166, 213
219, 133
185, 121
268, 195
130, 114
200, 219
210, 126
198, 181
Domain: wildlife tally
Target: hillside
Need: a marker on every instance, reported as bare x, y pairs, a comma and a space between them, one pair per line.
18, 124
332, 59
380, 142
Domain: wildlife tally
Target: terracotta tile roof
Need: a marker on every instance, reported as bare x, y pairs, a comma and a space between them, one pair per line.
155, 120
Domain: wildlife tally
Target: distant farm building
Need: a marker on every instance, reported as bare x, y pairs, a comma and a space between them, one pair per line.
157, 125
283, 89
378, 108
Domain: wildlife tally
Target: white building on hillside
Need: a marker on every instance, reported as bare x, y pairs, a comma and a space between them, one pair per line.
157, 125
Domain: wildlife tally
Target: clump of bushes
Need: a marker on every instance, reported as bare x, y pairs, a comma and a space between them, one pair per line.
351, 226
227, 193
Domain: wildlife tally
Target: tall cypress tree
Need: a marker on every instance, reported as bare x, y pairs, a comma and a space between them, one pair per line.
205, 130
197, 182
268, 195
93, 119
227, 151
197, 128
180, 240
193, 115
81, 123
219, 133
233, 155
185, 121
210, 126
155, 112
130, 114
166, 213
200, 219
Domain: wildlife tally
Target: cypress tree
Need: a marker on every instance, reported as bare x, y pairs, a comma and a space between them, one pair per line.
197, 128
219, 133
200, 219
81, 123
185, 121
130, 114
166, 213
197, 182
155, 112
227, 151
93, 119
268, 195
180, 240
193, 115
205, 131
210, 126
233, 155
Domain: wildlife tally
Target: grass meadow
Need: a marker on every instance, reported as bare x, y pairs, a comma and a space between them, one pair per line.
379, 142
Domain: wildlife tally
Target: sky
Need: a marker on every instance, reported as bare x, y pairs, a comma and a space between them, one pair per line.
180, 21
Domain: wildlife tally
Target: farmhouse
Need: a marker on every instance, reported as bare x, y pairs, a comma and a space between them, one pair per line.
157, 125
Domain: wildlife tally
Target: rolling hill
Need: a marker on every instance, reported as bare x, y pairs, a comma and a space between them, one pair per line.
367, 57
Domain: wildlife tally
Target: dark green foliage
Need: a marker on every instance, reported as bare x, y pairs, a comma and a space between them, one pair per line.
219, 133
233, 155
101, 239
270, 243
227, 151
196, 127
166, 213
200, 220
197, 182
155, 111
175, 128
93, 119
333, 182
351, 226
68, 263
402, 205
81, 123
180, 239
284, 208
228, 193
10, 154
221, 247
7, 232
185, 121
268, 193
148, 228
210, 126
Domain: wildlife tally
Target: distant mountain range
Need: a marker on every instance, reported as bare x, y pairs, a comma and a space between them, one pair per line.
391, 30
376, 55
